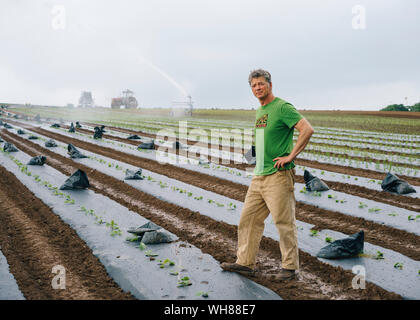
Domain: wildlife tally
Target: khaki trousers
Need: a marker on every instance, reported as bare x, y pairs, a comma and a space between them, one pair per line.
269, 194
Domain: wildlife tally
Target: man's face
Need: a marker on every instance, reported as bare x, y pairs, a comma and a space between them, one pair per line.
260, 87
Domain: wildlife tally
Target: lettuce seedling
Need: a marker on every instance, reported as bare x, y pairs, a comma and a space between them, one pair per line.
184, 282
203, 294
314, 233
398, 265
132, 239
379, 255
362, 205
149, 253
328, 239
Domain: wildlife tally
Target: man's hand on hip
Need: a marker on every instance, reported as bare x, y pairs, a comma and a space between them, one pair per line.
281, 161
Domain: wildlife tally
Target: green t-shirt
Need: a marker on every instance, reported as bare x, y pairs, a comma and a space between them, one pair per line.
274, 135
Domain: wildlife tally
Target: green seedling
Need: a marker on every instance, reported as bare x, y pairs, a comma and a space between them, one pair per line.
149, 253
189, 194
314, 233
220, 204
116, 232
99, 220
231, 206
198, 198
317, 194
174, 273
410, 218
132, 239
203, 294
398, 265
328, 239
210, 201
374, 210
184, 282
393, 214
303, 190
112, 225
362, 205
330, 196
379, 255
142, 246
166, 262
162, 185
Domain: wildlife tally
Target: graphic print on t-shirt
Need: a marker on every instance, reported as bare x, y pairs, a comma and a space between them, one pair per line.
262, 122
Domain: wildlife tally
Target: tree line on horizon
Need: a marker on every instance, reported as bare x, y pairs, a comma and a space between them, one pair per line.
401, 107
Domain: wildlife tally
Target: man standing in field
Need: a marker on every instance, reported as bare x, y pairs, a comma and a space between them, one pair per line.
272, 187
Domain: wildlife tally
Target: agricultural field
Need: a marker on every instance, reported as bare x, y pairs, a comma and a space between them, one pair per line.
194, 192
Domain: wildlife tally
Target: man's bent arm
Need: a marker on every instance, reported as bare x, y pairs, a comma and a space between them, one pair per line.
305, 132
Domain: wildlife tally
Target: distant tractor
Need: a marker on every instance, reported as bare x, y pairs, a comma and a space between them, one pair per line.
127, 101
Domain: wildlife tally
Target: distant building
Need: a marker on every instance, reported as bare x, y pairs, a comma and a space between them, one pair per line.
86, 100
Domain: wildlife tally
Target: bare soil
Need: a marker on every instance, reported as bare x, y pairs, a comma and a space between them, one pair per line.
34, 240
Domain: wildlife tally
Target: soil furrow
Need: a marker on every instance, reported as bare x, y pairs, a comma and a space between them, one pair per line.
318, 280
375, 233
34, 240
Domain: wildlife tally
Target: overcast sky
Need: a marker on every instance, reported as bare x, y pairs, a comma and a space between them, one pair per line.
321, 54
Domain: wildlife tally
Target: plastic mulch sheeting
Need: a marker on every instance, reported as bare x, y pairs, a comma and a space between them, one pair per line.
343, 248
72, 128
99, 132
8, 126
314, 183
55, 125
149, 234
78, 125
392, 183
33, 137
250, 156
74, 153
8, 147
77, 180
50, 143
37, 161
20, 131
147, 145
133, 175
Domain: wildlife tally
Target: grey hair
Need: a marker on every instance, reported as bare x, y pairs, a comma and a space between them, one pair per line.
259, 73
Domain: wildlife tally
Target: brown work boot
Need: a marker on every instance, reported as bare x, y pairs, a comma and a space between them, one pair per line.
285, 274
234, 267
